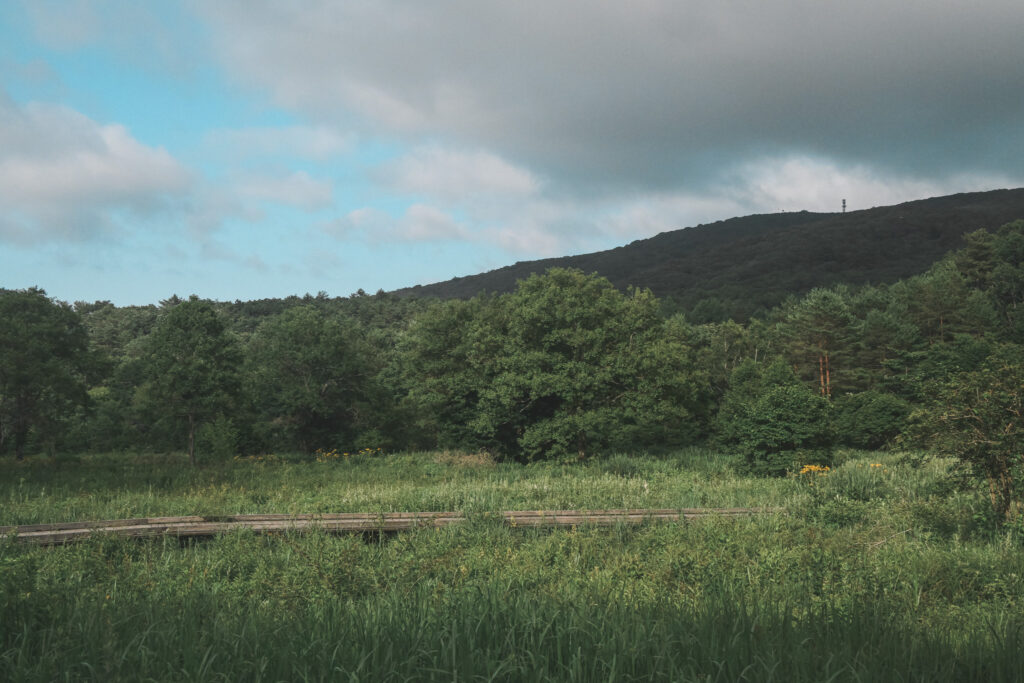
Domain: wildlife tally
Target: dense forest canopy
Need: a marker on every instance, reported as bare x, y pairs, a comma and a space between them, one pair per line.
566, 366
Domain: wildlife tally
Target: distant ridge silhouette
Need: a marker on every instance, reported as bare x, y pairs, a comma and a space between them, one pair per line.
741, 266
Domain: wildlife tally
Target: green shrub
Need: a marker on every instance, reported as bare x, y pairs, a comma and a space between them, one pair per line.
218, 440
774, 421
870, 419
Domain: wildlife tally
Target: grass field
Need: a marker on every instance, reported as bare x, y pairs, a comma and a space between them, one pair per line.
880, 570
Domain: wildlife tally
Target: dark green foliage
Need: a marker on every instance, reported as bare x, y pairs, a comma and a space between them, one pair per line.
309, 377
218, 439
724, 346
564, 367
44, 362
569, 366
869, 419
113, 330
773, 421
994, 263
978, 417
191, 367
942, 304
817, 332
442, 384
751, 264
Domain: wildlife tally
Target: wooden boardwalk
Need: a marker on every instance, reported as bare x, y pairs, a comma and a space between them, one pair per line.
348, 522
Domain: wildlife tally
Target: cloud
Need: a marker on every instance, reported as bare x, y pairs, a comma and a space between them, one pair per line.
65, 176
297, 189
540, 228
419, 223
315, 143
601, 97
155, 35
64, 25
815, 184
457, 175
789, 183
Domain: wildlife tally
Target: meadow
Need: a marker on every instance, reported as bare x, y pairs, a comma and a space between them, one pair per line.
878, 569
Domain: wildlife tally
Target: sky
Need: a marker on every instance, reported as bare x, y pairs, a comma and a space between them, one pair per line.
246, 149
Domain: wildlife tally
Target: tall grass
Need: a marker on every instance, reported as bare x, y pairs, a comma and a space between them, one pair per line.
876, 573
498, 633
106, 487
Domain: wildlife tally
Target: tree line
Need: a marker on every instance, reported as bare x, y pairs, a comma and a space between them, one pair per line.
566, 366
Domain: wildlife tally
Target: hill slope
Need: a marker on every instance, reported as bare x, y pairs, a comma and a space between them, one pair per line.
754, 262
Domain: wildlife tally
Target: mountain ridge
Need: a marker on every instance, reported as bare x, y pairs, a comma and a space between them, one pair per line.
746, 264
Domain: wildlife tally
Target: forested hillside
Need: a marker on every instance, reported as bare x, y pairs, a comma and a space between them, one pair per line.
744, 266
565, 367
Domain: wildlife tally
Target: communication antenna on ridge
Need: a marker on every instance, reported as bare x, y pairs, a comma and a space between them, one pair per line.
844, 206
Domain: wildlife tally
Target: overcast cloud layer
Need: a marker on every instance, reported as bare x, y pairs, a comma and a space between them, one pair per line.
488, 132
650, 95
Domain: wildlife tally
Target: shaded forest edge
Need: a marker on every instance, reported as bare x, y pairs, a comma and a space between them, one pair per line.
565, 367
743, 267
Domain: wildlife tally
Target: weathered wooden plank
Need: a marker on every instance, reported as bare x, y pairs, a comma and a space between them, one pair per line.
59, 526
348, 522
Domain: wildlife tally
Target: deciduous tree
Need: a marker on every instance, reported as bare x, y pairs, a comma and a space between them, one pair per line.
308, 376
43, 359
572, 367
979, 418
191, 366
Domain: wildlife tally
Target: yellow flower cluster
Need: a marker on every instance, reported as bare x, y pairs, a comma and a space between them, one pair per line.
327, 456
816, 469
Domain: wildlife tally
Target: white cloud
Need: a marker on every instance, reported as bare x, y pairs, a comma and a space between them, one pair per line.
296, 189
316, 143
65, 176
458, 175
419, 223
788, 183
797, 183
422, 223
540, 228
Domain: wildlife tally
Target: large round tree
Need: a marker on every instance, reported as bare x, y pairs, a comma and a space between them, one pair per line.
568, 366
43, 356
192, 366
310, 378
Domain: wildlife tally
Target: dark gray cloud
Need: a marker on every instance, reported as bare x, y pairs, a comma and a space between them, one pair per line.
654, 95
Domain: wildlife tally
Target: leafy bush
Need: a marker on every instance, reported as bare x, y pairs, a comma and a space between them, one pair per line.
218, 440
870, 419
978, 418
773, 421
564, 368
